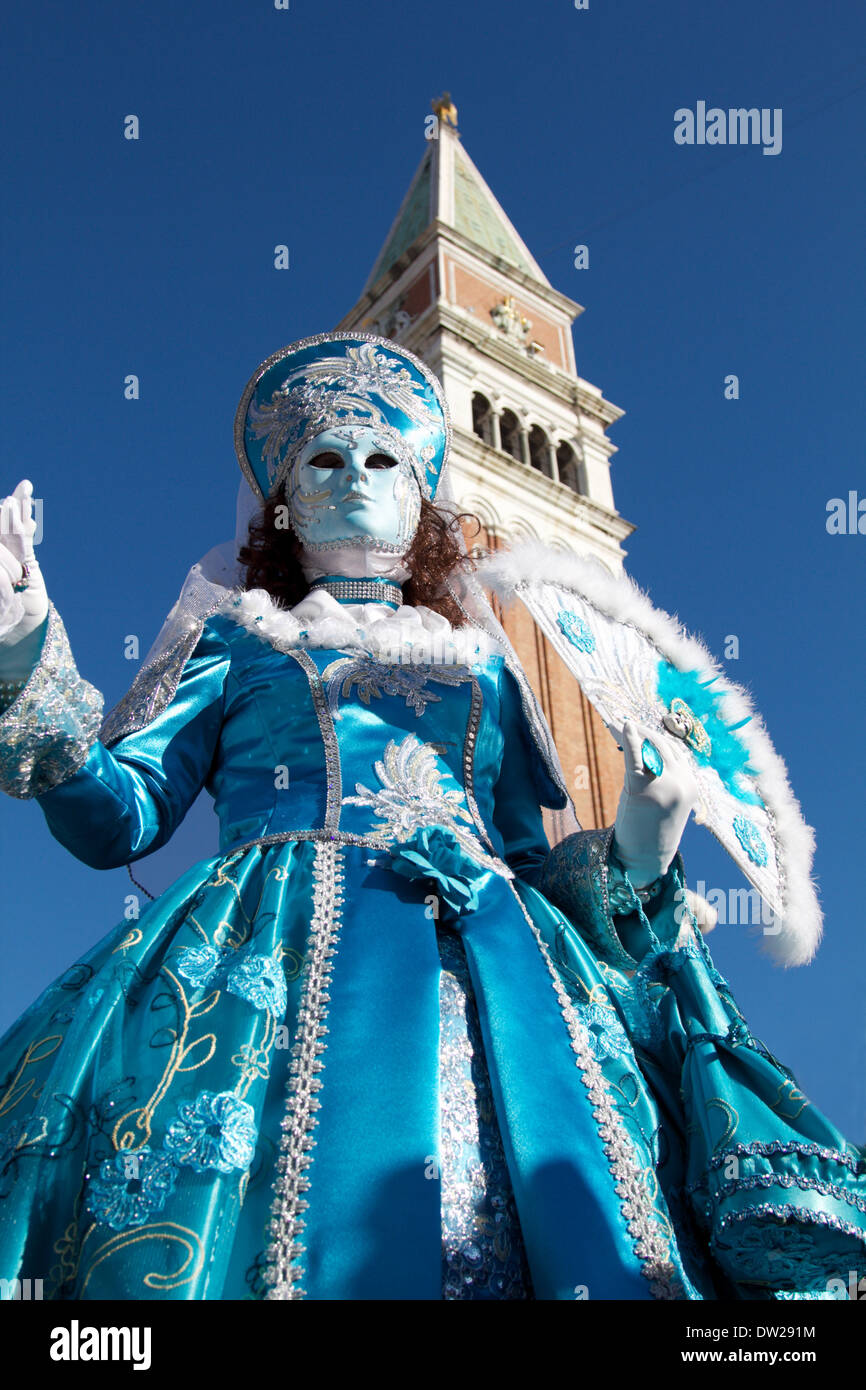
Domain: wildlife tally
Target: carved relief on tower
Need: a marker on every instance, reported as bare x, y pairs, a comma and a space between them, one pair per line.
396, 318
508, 319
468, 291
393, 322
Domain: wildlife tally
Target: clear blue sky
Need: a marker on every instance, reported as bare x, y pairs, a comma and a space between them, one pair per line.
303, 127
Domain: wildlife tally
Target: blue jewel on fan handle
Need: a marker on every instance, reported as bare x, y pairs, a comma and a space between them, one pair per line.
651, 758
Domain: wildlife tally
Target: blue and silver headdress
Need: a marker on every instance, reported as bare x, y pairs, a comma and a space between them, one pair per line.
336, 379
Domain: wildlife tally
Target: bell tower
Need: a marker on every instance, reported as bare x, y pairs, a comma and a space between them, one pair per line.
455, 284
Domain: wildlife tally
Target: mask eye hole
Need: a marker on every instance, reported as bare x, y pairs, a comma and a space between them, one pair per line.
380, 461
326, 461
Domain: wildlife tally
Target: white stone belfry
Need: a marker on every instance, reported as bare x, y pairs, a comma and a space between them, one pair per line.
455, 283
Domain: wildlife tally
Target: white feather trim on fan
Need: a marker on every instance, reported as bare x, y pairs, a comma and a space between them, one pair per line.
619, 598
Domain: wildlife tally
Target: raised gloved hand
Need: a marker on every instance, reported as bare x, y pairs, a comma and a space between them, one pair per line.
653, 809
23, 599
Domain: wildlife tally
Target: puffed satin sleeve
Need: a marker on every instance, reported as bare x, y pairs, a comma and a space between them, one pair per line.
109, 807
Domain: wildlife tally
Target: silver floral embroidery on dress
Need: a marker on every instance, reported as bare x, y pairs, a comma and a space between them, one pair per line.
49, 728
483, 1255
412, 797
611, 1040
374, 679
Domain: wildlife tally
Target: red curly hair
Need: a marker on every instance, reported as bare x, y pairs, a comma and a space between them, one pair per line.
271, 558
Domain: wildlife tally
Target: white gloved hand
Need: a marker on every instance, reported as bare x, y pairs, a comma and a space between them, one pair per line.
22, 614
652, 811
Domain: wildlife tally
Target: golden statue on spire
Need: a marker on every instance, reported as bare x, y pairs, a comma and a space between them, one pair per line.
445, 110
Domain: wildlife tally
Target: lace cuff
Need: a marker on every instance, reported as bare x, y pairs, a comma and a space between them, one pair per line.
49, 728
582, 877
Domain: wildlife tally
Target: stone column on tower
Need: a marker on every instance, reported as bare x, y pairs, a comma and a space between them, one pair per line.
456, 284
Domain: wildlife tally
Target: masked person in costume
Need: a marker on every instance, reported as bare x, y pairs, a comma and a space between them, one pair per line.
386, 1043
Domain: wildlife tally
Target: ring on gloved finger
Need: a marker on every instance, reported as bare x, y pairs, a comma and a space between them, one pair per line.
651, 758
21, 584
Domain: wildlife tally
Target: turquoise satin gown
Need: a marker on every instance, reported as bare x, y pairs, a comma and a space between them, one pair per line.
384, 1044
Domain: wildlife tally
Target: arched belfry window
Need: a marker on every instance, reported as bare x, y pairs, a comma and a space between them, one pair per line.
539, 451
566, 462
482, 417
509, 429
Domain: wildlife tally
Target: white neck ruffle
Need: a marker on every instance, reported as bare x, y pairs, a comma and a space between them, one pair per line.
411, 635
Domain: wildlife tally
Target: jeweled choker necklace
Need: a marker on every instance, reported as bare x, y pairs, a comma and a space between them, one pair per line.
360, 590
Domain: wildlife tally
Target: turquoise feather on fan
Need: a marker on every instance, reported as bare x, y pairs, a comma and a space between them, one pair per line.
728, 755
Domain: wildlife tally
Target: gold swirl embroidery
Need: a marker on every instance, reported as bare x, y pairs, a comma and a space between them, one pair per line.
732, 1119
651, 1183
132, 938
220, 881
178, 1062
67, 1247
16, 1090
599, 996
295, 962
164, 1232
253, 1060
134, 1128
27, 1141
630, 1102
788, 1094
229, 936
615, 978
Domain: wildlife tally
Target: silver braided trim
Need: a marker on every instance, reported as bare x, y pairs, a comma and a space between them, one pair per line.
542, 736
651, 1245
336, 837
361, 590
472, 726
333, 772
284, 1270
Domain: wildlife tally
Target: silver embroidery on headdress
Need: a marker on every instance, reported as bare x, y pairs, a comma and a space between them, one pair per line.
337, 391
